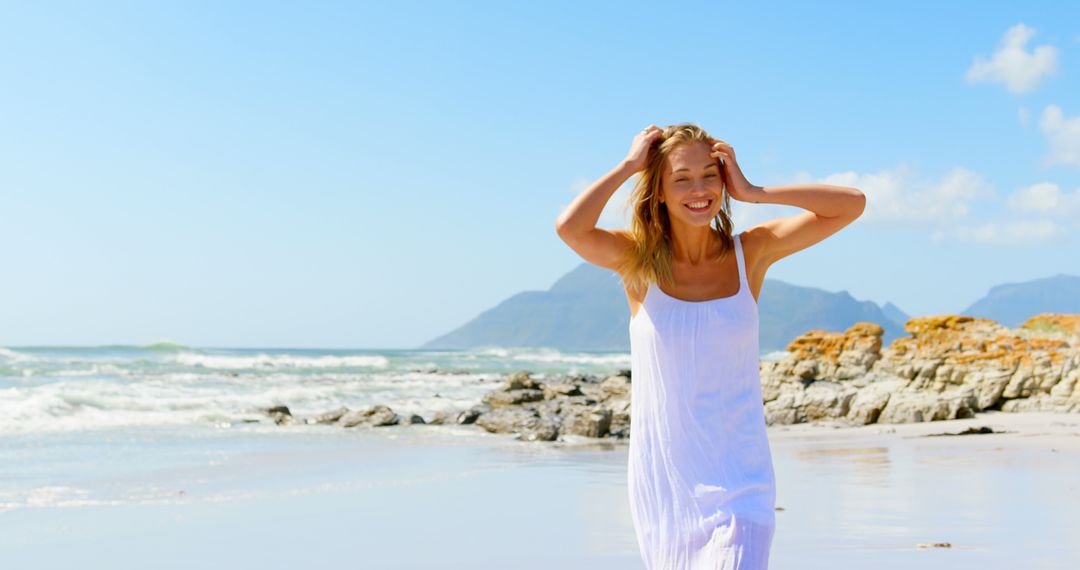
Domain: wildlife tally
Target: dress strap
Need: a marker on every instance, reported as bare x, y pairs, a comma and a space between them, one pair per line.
743, 283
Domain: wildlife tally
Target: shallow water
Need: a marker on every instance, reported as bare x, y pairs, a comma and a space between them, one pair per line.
418, 497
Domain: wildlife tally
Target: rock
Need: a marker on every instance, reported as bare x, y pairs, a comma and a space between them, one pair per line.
470, 415
587, 422
951, 366
353, 419
583, 400
374, 416
909, 407
280, 414
552, 391
620, 414
509, 420
547, 407
521, 381
826, 399
545, 430
616, 387
331, 416
512, 397
839, 356
867, 404
989, 386
1054, 326
382, 416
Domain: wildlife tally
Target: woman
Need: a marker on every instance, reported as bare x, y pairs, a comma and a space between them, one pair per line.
700, 474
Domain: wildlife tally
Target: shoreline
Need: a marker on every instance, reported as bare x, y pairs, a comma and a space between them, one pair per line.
1030, 430
1059, 430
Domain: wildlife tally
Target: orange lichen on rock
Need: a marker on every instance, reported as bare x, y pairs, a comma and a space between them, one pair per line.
862, 336
959, 339
1063, 324
1009, 350
921, 325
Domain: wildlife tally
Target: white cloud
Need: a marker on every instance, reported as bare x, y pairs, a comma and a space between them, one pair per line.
1063, 136
1009, 232
1046, 198
1013, 65
1058, 212
944, 207
1024, 115
898, 198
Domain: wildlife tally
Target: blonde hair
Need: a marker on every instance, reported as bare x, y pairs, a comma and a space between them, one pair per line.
649, 260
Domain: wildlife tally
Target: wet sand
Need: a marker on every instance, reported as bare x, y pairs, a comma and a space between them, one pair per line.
417, 497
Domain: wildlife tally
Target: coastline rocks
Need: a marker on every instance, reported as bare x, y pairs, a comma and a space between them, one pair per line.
951, 366
547, 411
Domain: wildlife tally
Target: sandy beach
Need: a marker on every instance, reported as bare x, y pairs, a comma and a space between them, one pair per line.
455, 497
1028, 430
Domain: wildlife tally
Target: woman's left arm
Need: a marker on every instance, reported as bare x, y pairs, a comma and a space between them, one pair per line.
825, 200
830, 208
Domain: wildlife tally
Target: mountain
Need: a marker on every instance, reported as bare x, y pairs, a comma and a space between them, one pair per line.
787, 311
587, 310
895, 314
1013, 303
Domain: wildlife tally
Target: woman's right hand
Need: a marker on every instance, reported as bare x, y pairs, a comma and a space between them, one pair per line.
638, 156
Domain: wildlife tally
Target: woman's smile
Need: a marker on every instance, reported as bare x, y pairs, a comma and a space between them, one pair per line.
699, 206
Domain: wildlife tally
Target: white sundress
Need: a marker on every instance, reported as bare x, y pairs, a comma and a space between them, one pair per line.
700, 473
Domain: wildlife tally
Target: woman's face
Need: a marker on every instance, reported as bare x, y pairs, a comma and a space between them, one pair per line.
691, 185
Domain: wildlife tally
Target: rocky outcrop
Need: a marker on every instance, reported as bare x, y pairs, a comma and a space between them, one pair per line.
579, 405
950, 367
586, 406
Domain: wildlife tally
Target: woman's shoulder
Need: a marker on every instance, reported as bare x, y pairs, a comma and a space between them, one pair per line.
752, 239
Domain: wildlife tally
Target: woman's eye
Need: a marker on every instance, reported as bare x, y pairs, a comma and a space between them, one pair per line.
710, 176
680, 180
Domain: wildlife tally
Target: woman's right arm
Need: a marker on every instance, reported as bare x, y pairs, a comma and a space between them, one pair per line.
576, 225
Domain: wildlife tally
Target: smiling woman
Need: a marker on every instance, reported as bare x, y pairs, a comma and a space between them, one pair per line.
700, 474
680, 169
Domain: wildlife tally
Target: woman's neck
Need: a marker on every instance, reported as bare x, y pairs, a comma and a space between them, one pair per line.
693, 244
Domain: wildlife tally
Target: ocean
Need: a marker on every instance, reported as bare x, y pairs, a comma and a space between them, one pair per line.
75, 419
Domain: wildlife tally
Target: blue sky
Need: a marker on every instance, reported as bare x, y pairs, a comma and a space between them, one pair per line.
351, 175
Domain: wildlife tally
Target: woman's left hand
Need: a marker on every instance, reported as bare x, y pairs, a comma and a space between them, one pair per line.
738, 186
